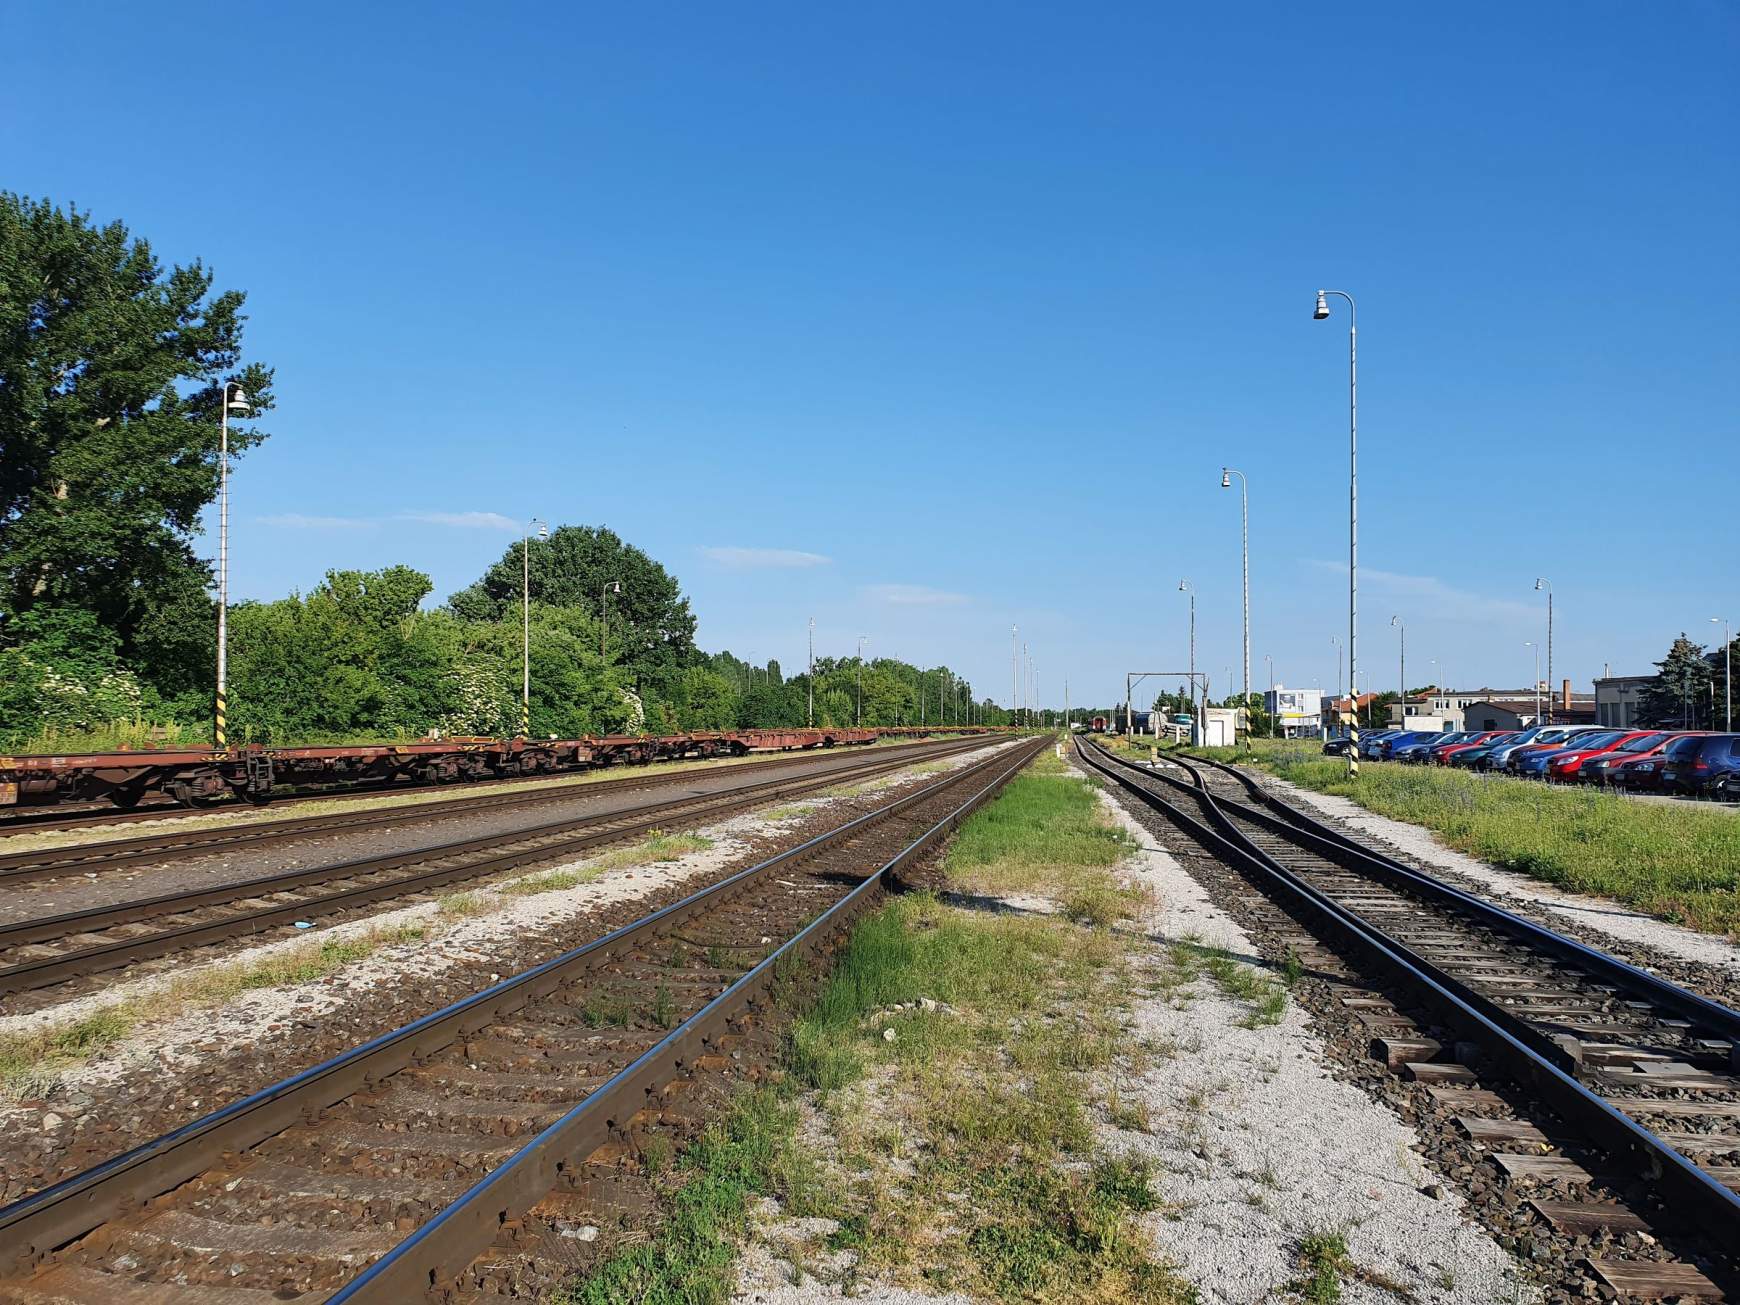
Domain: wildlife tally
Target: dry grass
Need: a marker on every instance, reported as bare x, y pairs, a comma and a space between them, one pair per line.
30, 1063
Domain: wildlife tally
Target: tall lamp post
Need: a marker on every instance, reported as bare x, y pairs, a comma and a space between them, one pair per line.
609, 587
811, 685
1014, 675
1184, 586
526, 624
233, 399
1530, 643
1276, 709
1546, 584
1320, 314
1727, 670
862, 640
1402, 673
1226, 475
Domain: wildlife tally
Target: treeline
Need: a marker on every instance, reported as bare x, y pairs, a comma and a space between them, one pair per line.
611, 650
113, 373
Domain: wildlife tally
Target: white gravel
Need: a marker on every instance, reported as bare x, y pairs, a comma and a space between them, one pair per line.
1257, 1145
165, 1043
1601, 914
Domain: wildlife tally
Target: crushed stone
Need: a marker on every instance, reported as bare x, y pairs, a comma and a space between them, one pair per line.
1257, 1145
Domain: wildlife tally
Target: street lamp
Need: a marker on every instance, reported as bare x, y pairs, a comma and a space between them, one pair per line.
1226, 475
1727, 670
1319, 314
862, 640
1540, 584
1402, 674
811, 686
1184, 586
1014, 675
609, 587
1530, 643
233, 398
526, 624
1275, 710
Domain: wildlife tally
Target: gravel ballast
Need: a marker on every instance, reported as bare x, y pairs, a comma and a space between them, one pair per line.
1259, 1145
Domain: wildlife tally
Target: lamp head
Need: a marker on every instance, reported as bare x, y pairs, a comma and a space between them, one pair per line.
1225, 478
1539, 584
238, 398
1322, 309
543, 531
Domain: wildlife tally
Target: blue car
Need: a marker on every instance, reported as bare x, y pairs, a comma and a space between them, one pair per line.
1369, 743
1387, 749
1421, 749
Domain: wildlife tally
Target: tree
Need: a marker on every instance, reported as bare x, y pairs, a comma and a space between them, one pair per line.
1679, 694
650, 621
110, 381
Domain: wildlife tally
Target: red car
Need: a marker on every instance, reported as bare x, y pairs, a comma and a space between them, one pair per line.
1642, 773
1441, 756
1567, 766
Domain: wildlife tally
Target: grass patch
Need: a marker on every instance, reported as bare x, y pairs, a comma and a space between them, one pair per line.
788, 813
1046, 833
657, 846
691, 1260
460, 906
551, 881
30, 1063
1323, 1259
1677, 862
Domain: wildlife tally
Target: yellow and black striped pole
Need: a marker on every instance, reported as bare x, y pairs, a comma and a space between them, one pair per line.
222, 711
1353, 747
525, 719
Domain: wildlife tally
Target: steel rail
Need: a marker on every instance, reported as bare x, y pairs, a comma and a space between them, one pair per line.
1340, 847
1492, 1028
427, 1262
35, 1226
182, 844
601, 827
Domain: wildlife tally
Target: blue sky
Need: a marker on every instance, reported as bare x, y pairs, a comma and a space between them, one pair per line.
929, 319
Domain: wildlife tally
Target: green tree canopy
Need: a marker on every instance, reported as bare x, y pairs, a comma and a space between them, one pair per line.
1680, 692
650, 624
110, 380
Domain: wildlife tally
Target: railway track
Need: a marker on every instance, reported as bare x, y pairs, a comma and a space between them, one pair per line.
50, 950
457, 1156
183, 843
1622, 1103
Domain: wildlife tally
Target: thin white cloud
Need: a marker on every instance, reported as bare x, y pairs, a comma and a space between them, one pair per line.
300, 521
463, 520
745, 559
1439, 599
913, 596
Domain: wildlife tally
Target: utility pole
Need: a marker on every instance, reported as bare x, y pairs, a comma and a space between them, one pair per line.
1543, 583
231, 397
1319, 314
1014, 675
811, 686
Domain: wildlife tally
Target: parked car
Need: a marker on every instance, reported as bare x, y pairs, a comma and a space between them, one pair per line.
1593, 768
1493, 757
1440, 754
1552, 737
1469, 755
1386, 748
1640, 774
1695, 763
1368, 742
1420, 750
1534, 762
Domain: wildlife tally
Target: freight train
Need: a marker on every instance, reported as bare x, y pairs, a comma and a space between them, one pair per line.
195, 776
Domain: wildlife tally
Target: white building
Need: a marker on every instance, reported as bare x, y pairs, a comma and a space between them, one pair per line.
1297, 713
